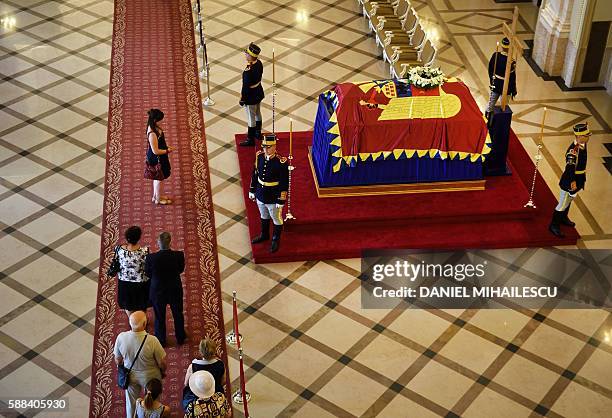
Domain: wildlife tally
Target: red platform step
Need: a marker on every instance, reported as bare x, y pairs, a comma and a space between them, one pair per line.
342, 227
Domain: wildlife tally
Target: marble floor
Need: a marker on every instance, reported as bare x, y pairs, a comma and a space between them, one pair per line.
311, 351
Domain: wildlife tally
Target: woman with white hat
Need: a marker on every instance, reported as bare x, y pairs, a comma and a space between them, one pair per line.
209, 403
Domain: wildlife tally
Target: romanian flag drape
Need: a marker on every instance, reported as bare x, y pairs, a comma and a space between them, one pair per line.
391, 119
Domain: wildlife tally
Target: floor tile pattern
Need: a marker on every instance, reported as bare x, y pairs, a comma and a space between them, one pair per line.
54, 65
310, 349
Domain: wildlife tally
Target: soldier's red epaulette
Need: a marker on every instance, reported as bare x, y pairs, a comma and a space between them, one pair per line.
259, 152
282, 159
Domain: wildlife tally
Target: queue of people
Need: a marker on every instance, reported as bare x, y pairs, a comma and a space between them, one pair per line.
153, 279
147, 279
145, 358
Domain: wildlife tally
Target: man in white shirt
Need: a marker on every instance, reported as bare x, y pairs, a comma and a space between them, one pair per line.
150, 364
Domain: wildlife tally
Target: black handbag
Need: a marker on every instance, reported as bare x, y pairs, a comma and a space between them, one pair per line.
123, 373
114, 267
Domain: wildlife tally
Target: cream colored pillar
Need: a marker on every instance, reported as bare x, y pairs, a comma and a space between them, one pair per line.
582, 16
551, 35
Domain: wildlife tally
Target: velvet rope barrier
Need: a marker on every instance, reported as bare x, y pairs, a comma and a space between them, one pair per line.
242, 394
235, 308
230, 338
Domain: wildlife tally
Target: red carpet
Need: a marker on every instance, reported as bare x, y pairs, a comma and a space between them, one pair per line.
154, 66
328, 228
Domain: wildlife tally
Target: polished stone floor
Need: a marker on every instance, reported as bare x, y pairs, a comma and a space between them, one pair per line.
310, 350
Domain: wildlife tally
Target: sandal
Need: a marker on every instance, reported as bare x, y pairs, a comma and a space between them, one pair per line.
162, 202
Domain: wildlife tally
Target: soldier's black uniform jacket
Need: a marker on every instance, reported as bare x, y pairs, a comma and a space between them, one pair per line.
575, 168
500, 71
252, 91
270, 179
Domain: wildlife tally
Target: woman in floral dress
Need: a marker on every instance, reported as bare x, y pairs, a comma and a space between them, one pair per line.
132, 284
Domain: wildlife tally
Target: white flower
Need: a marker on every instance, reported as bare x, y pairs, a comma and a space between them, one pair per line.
426, 77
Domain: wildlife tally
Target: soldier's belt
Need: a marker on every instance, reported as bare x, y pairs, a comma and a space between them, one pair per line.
267, 183
579, 171
255, 85
499, 77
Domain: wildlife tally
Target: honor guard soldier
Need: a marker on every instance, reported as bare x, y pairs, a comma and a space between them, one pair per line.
252, 93
572, 179
269, 186
497, 72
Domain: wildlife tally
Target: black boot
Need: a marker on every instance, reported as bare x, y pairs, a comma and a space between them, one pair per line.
489, 119
265, 232
565, 220
554, 226
250, 141
276, 238
258, 130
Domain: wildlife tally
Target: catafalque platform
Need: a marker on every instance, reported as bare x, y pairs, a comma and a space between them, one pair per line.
342, 227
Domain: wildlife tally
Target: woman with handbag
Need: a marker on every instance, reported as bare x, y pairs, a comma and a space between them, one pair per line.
157, 163
132, 283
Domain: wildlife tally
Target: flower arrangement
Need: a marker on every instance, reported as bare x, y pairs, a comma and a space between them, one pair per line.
426, 77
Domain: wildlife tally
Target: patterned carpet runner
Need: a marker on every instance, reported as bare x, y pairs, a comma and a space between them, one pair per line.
154, 66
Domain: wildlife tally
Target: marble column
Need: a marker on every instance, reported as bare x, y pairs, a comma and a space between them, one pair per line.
551, 35
577, 41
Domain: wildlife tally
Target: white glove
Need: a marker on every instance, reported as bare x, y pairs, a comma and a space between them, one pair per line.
279, 205
251, 195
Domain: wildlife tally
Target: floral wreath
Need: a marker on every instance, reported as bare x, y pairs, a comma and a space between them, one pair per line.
426, 77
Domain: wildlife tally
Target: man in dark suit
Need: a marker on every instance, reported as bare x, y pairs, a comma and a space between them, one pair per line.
164, 268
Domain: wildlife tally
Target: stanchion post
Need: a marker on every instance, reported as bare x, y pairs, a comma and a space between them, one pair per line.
208, 101
202, 50
205, 73
538, 158
230, 338
197, 9
241, 396
289, 215
273, 93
